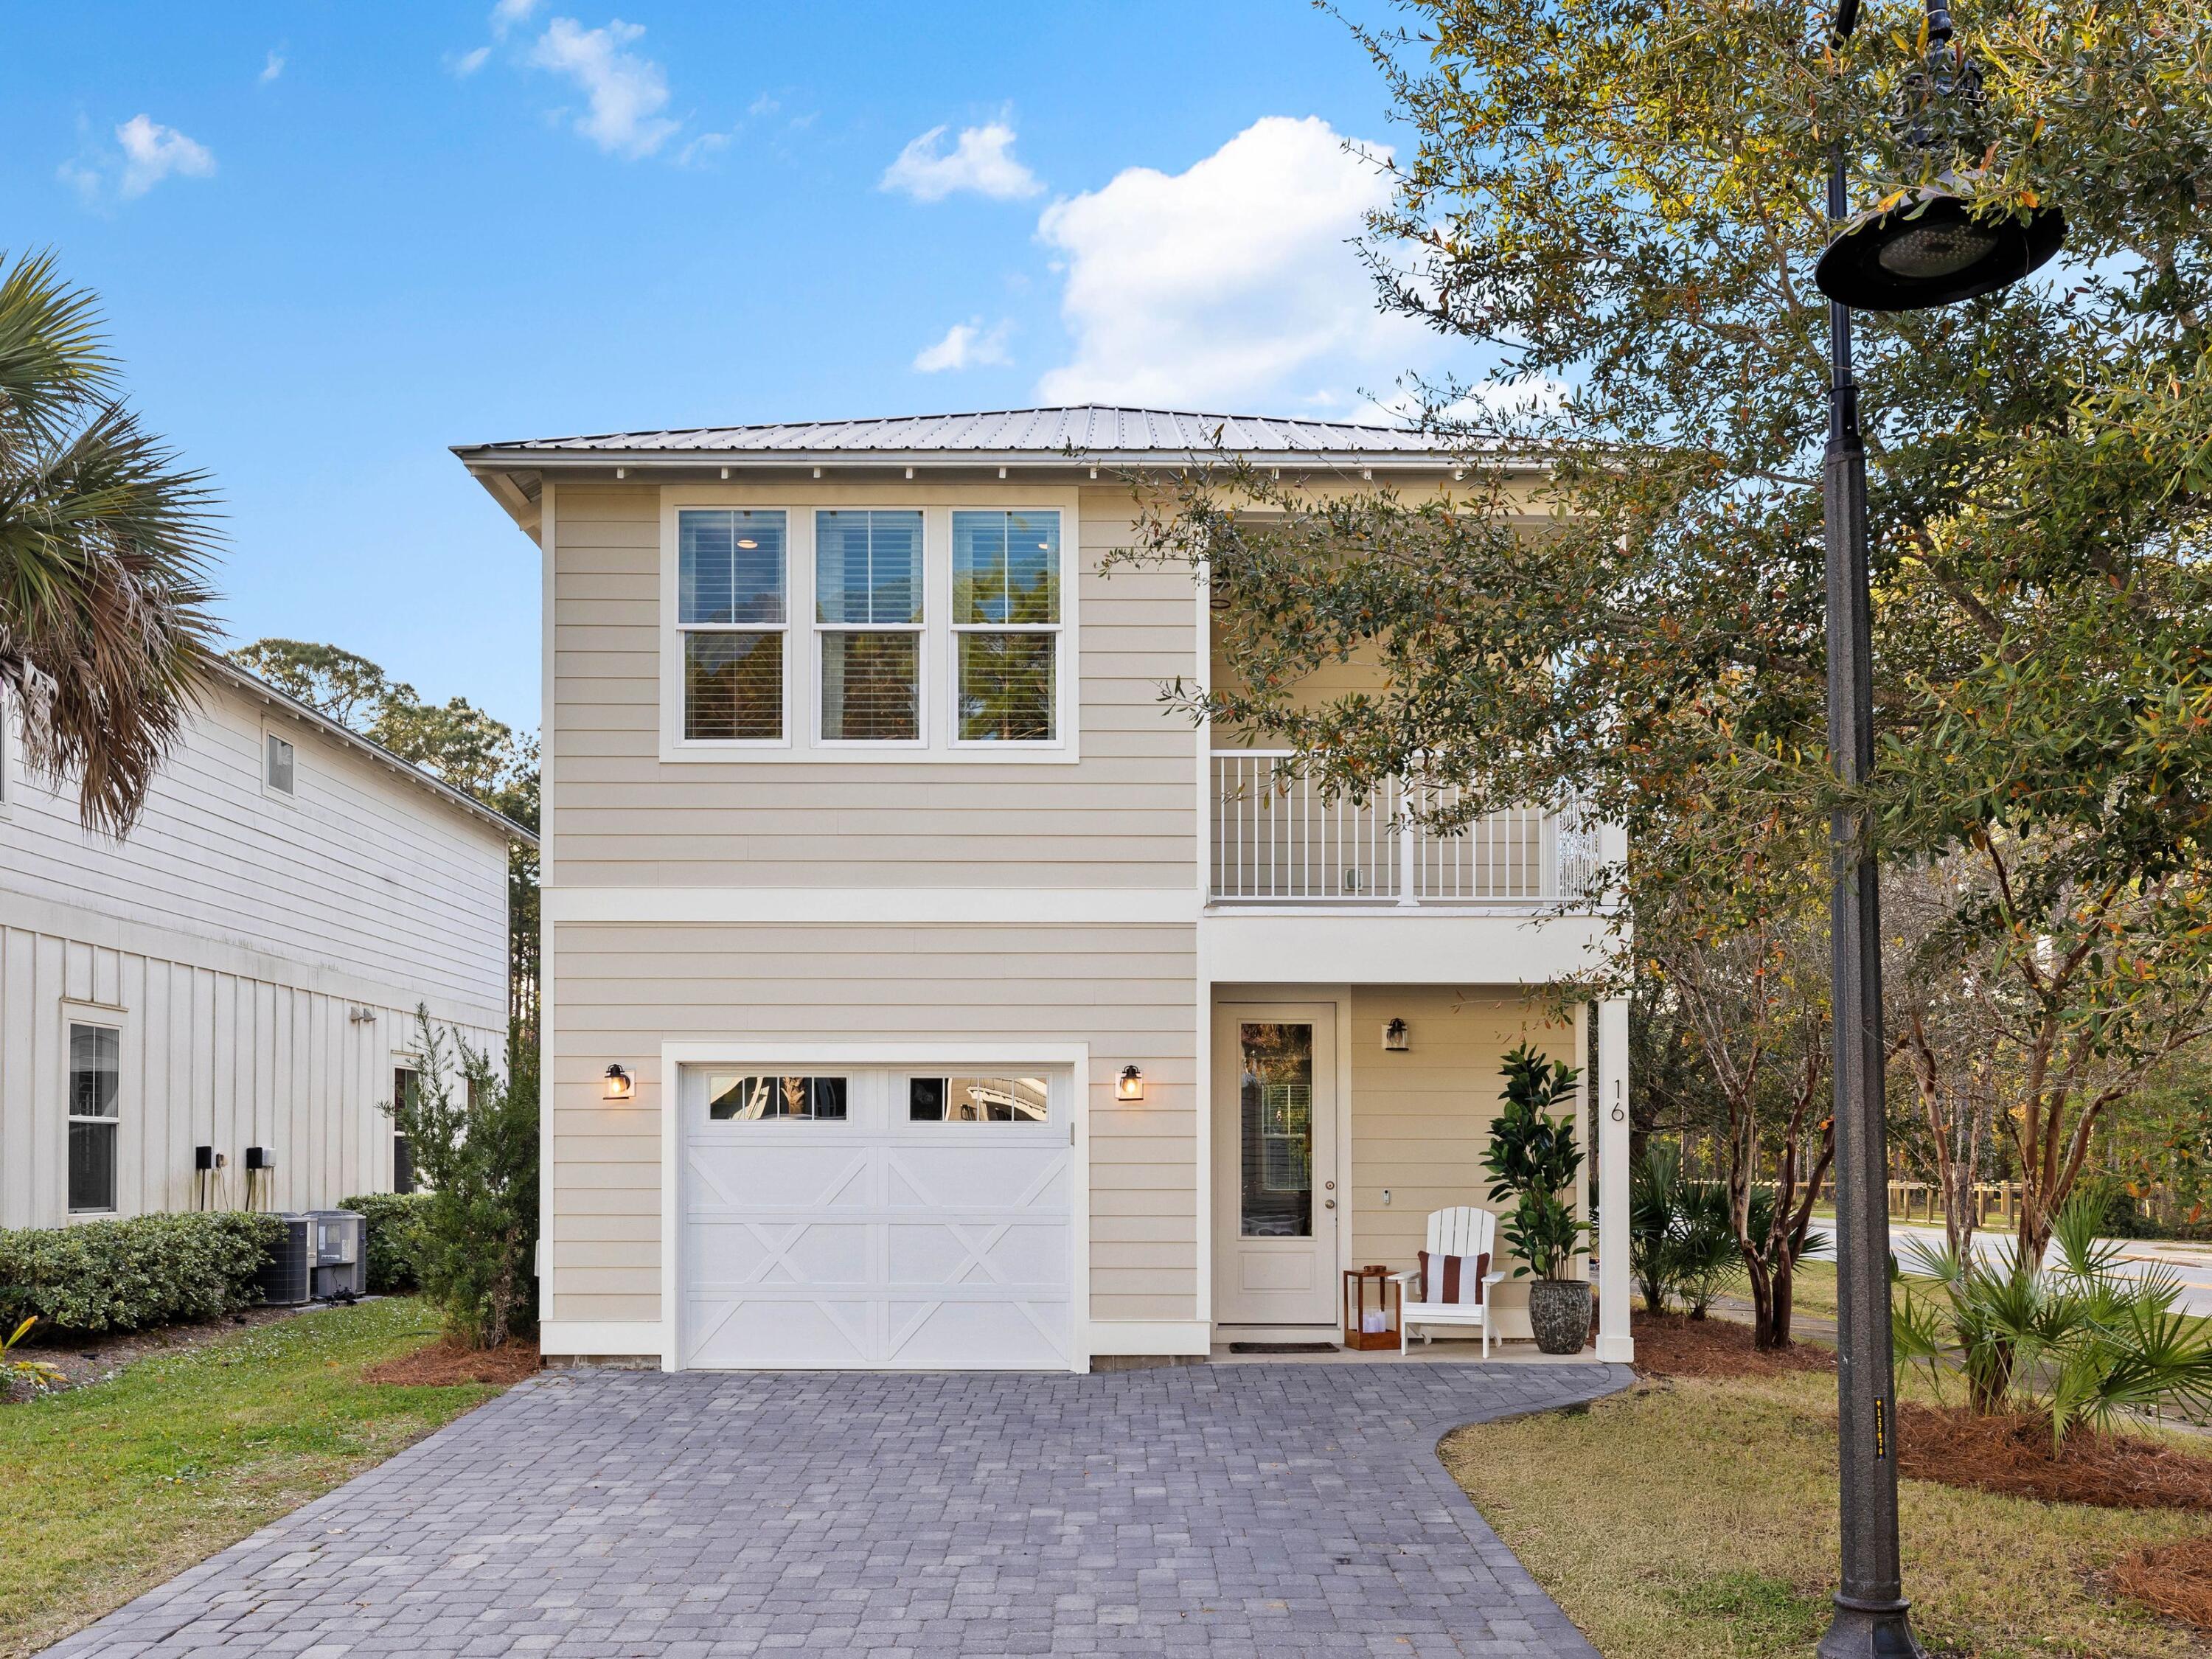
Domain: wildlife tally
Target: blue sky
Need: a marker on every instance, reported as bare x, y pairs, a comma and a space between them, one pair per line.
333, 240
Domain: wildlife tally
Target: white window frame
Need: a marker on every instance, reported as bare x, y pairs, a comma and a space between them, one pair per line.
1063, 659
106, 1019
803, 741
271, 732
920, 739
673, 628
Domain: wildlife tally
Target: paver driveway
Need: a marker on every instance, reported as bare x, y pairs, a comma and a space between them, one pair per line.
1233, 1509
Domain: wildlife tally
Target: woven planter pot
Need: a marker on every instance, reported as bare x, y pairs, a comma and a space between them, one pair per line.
1559, 1313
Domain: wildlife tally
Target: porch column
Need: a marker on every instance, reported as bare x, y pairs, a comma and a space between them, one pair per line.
1614, 1345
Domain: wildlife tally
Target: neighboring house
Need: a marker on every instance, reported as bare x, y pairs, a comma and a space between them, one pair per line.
241, 974
918, 990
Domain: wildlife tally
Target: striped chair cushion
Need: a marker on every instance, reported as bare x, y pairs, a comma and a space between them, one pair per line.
1454, 1279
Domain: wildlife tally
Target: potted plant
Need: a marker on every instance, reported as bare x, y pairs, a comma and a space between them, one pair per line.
1532, 1159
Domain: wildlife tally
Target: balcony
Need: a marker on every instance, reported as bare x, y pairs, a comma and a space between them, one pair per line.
1275, 841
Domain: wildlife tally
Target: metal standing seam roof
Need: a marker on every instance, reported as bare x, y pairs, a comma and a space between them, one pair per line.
1089, 430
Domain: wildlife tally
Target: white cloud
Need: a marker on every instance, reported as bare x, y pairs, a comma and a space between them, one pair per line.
151, 152
465, 64
981, 160
508, 13
273, 68
1231, 282
626, 92
966, 345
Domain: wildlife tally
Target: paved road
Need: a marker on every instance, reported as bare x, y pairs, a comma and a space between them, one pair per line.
2191, 1263
1245, 1511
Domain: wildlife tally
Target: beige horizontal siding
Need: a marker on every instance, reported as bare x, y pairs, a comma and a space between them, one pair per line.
622, 990
1420, 1119
1124, 816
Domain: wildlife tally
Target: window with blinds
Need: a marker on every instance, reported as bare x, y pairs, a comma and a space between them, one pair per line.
868, 619
731, 616
1006, 626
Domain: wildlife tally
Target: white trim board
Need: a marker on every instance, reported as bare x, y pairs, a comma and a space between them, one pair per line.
872, 905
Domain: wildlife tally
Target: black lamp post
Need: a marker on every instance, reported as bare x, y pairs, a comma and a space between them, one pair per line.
1914, 256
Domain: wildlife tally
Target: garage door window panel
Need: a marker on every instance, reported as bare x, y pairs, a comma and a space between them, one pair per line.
750, 1097
978, 1100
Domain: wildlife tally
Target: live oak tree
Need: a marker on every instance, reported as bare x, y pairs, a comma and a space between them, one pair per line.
105, 541
1621, 603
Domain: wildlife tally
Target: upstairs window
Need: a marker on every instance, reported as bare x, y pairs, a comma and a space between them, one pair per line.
279, 764
732, 612
1006, 626
868, 617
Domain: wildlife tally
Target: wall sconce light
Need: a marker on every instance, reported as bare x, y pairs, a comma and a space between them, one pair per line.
1130, 1085
1395, 1037
619, 1084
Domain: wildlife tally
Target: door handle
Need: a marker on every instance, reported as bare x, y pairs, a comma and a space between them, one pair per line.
1328, 1203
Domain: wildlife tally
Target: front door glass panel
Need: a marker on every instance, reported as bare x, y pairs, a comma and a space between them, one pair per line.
1275, 1095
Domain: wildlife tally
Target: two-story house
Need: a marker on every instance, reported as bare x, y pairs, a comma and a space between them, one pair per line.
210, 1013
920, 990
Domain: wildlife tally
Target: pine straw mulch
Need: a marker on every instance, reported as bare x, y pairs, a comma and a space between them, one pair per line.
2011, 1455
1675, 1345
446, 1363
2174, 1579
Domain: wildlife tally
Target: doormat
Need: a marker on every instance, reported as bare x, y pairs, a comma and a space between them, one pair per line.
1282, 1347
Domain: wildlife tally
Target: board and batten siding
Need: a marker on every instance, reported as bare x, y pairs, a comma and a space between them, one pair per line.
623, 989
208, 1057
1120, 816
230, 940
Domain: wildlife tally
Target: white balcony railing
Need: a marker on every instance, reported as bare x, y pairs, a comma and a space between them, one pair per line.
1277, 841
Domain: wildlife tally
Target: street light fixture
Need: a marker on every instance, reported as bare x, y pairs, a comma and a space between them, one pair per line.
1916, 255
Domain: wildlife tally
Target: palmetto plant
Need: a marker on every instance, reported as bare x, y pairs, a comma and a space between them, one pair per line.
104, 621
39, 1373
2085, 1337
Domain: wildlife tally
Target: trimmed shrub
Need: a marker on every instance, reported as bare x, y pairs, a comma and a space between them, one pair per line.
391, 1224
136, 1273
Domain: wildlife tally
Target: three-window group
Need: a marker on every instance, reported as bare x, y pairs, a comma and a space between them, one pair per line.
871, 632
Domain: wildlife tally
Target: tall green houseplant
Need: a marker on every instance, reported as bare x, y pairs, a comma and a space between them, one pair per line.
1533, 1163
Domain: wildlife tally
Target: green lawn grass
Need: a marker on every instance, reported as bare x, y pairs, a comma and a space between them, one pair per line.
1697, 1519
113, 1488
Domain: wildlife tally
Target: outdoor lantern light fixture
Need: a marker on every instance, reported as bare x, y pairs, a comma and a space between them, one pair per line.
1935, 253
1130, 1085
1393, 1037
619, 1084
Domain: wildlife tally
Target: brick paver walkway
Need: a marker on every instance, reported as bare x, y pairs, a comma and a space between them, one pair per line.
1250, 1510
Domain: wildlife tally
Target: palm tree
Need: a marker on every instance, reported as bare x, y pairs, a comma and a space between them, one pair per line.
105, 629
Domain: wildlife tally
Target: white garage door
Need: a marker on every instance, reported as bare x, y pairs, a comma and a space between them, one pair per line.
876, 1218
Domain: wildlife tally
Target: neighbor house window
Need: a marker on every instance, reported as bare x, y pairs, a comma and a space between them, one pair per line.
95, 1066
405, 1083
278, 768
731, 614
867, 614
748, 1098
1006, 626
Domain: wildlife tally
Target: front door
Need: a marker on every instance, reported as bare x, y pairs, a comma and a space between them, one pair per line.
1274, 1160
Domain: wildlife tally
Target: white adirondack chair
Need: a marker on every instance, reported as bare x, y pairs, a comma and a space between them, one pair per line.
1464, 1230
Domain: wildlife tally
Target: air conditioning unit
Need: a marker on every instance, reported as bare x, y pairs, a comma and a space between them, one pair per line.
289, 1279
341, 1270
